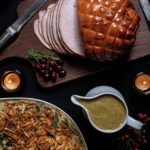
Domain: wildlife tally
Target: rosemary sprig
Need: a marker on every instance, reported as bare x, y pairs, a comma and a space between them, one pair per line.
37, 55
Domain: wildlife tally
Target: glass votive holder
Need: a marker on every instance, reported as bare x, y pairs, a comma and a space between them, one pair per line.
11, 80
142, 83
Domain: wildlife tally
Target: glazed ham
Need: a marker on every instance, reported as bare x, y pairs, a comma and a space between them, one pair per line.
101, 30
108, 28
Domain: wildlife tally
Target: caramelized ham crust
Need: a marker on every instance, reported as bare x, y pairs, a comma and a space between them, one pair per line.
108, 27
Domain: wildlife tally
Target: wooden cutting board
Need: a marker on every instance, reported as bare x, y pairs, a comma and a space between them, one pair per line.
75, 67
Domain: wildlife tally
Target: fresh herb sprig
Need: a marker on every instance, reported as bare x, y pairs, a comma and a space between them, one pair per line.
37, 55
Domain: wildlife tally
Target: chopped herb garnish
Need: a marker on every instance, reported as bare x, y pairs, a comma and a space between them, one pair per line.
55, 121
72, 128
13, 126
4, 146
2, 136
9, 143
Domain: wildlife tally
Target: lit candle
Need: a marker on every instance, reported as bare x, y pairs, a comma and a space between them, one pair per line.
11, 81
142, 83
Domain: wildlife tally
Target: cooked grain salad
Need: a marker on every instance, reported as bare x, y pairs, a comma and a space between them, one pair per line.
29, 125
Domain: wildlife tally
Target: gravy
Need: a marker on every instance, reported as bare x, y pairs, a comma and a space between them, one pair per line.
106, 112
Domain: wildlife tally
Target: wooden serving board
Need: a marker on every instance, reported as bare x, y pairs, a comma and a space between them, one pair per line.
75, 67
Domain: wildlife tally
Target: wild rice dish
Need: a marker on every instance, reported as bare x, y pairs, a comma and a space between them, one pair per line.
29, 125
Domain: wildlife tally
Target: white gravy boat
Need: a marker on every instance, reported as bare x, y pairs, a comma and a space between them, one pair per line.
101, 91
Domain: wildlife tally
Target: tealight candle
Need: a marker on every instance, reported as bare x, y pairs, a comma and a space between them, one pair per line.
142, 83
11, 81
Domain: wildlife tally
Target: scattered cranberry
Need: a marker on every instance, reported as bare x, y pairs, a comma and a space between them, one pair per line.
136, 139
126, 136
145, 141
136, 132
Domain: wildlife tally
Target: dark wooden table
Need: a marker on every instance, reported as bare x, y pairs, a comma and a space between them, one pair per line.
119, 77
76, 67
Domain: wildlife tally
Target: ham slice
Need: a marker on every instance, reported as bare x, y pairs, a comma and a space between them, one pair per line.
43, 23
69, 26
66, 49
48, 29
38, 30
58, 46
37, 33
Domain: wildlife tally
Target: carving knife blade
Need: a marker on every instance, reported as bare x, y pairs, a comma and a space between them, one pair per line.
20, 22
146, 8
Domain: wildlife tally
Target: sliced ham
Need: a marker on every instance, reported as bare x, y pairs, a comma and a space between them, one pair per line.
54, 30
65, 48
57, 40
37, 33
48, 29
44, 24
58, 31
41, 14
69, 26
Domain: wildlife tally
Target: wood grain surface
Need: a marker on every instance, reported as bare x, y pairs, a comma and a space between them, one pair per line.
76, 67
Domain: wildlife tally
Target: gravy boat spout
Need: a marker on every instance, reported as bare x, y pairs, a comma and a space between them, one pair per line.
76, 98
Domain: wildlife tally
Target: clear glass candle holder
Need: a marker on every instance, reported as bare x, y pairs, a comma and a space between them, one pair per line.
142, 83
11, 80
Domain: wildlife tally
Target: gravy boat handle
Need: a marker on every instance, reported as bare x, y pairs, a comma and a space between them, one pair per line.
134, 123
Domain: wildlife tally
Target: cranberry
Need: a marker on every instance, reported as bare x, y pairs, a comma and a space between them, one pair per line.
46, 71
41, 72
60, 62
62, 73
58, 68
37, 66
126, 136
51, 63
135, 132
46, 77
145, 141
42, 66
46, 66
53, 76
